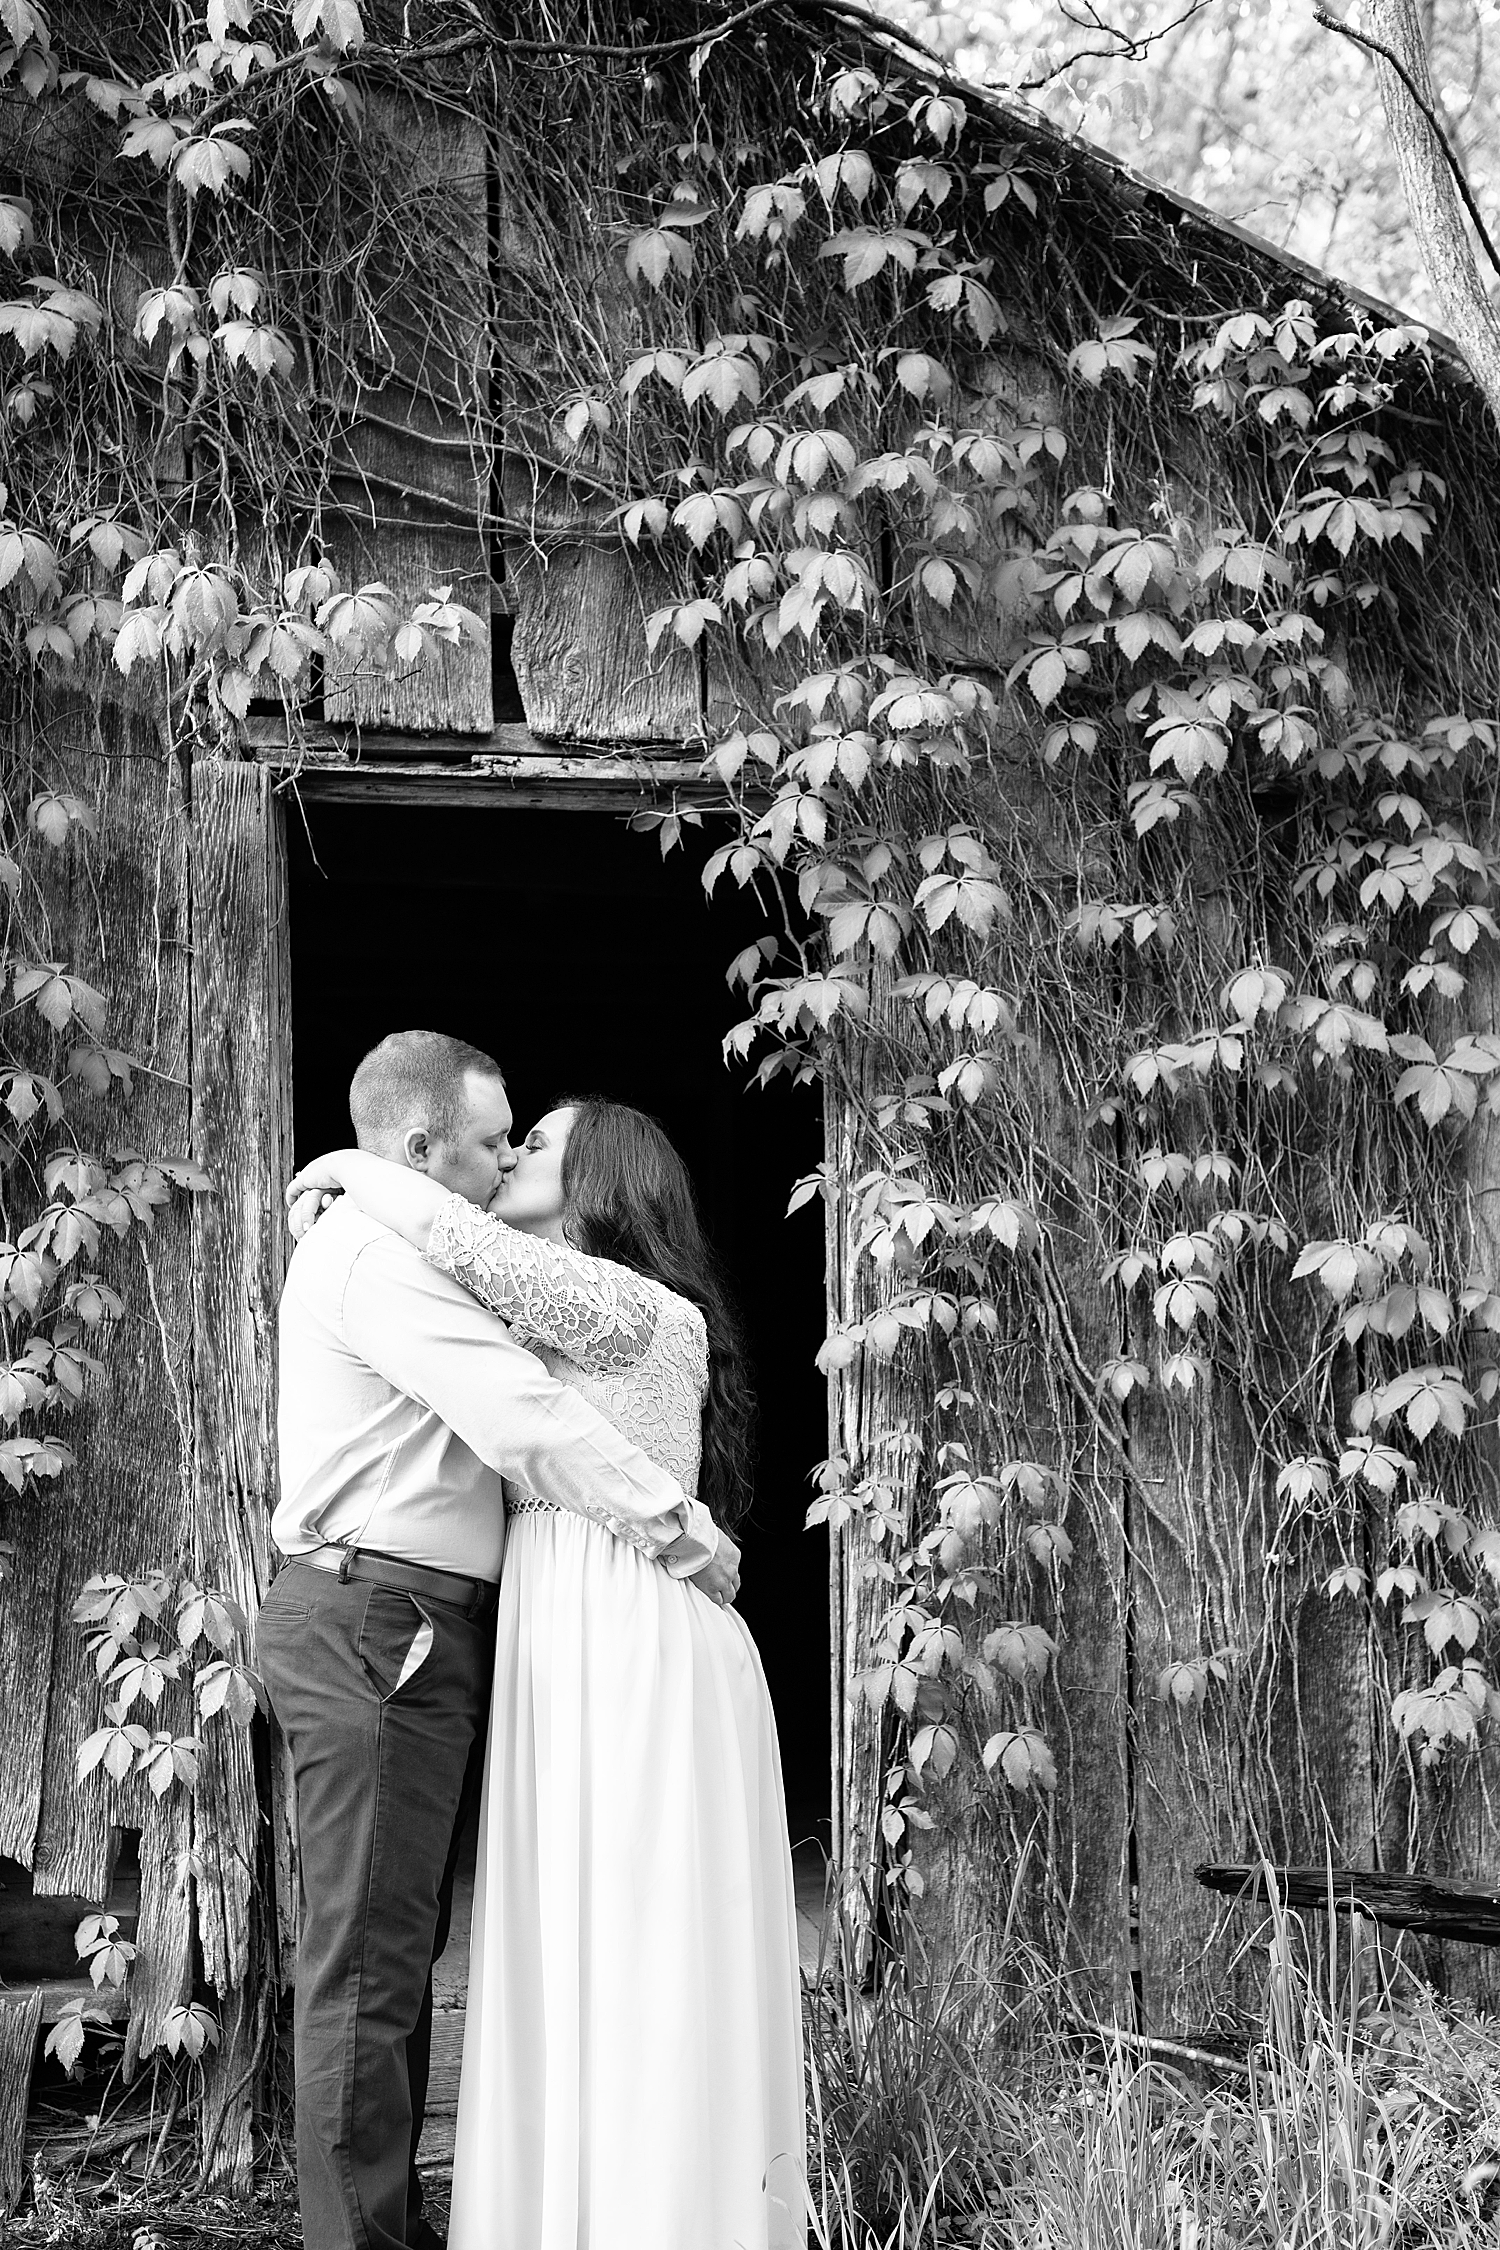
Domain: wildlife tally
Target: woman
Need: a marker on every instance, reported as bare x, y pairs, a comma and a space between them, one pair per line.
632, 2072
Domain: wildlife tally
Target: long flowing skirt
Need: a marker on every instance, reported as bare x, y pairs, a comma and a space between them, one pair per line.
632, 2069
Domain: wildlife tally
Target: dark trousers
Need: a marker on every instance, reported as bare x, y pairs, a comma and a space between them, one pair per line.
384, 1769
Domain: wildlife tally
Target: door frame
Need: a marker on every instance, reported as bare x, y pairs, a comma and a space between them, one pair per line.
511, 771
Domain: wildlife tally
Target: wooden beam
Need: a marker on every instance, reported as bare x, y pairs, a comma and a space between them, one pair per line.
1468, 1913
57, 1995
241, 1062
506, 769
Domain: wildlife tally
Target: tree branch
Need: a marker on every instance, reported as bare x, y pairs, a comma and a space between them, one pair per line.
1434, 122
1126, 48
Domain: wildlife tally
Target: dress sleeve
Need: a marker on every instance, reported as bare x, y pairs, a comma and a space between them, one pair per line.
594, 1312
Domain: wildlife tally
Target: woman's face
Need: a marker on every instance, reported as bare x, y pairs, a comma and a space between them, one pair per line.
531, 1196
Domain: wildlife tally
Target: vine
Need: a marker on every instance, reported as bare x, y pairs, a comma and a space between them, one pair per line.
1098, 670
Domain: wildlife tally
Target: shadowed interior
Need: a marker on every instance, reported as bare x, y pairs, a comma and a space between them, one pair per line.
564, 945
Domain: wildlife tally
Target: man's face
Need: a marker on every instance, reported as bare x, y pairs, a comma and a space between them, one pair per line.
479, 1155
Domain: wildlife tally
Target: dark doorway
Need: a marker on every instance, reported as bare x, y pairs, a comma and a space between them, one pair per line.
565, 945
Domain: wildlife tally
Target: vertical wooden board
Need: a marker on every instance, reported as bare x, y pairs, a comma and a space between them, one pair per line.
1325, 1752
226, 2149
1061, 1327
1466, 1843
410, 496
118, 909
449, 690
20, 2021
1087, 1711
835, 1286
162, 1976
1013, 391
30, 1599
581, 599
242, 1136
872, 1426
1193, 1539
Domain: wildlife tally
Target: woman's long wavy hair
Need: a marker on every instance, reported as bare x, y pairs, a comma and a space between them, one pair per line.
627, 1195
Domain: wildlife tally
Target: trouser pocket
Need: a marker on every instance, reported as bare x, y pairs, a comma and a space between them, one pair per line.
395, 1640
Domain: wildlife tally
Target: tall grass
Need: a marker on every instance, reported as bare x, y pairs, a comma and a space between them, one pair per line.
1362, 2121
907, 2135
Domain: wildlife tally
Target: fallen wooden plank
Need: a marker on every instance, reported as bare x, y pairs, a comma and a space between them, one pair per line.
1468, 1913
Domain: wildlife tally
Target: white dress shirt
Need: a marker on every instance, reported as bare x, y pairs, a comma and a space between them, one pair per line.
404, 1404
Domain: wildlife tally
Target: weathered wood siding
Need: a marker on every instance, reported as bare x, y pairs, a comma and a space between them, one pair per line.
409, 493
117, 908
175, 912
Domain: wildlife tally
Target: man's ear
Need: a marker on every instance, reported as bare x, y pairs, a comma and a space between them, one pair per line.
416, 1148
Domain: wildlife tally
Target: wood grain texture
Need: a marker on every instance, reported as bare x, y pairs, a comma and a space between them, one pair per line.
30, 1603
20, 2020
1468, 1913
1079, 1897
226, 2117
1465, 1835
1194, 1538
241, 1134
409, 491
865, 1430
118, 911
162, 1977
581, 599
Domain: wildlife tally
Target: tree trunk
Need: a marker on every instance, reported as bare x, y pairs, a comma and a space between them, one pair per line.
1432, 198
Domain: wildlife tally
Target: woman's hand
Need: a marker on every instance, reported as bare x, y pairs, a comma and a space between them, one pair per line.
393, 1194
309, 1193
305, 1210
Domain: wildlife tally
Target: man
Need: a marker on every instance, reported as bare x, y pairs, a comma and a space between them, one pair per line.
403, 1404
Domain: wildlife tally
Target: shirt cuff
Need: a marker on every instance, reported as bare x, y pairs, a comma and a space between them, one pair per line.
700, 1528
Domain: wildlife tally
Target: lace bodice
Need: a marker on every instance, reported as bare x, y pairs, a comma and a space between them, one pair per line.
634, 1348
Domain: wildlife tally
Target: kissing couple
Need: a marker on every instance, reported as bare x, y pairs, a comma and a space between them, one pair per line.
527, 1353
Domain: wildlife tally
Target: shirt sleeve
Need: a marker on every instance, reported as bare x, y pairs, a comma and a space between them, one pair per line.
593, 1311
431, 1340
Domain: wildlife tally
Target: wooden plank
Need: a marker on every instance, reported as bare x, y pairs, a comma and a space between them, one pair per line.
58, 1994
30, 1599
242, 1135
226, 2116
20, 2020
1063, 1328
581, 598
410, 499
1193, 1532
118, 910
867, 1429
1467, 1913
625, 792
36, 1931
162, 1976
1463, 1839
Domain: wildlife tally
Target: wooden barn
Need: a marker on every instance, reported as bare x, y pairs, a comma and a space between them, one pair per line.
424, 349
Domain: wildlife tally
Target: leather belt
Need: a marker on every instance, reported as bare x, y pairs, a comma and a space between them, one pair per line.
475, 1596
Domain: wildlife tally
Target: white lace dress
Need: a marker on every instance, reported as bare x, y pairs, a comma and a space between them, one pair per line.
632, 2070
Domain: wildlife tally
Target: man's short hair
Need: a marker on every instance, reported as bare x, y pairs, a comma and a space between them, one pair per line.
415, 1080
